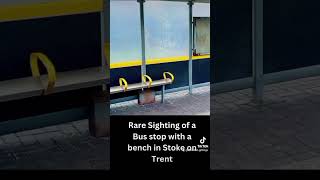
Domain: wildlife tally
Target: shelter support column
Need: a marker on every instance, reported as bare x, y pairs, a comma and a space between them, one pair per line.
99, 115
190, 3
257, 49
143, 46
99, 118
105, 36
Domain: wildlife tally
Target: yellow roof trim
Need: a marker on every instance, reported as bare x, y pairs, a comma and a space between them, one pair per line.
48, 9
156, 61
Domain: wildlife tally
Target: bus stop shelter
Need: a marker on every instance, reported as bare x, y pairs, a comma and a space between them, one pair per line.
259, 42
143, 65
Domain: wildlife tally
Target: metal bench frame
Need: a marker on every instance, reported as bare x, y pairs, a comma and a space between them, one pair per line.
124, 86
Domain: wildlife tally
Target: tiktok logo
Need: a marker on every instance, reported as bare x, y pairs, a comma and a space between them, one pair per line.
203, 140
202, 147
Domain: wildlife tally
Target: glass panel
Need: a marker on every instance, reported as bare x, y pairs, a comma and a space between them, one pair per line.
166, 29
125, 40
202, 35
201, 10
166, 25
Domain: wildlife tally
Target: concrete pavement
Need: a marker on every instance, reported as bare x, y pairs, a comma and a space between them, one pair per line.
281, 133
65, 146
177, 103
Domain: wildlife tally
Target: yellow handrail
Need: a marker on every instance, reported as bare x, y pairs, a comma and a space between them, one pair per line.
145, 77
124, 83
52, 77
170, 74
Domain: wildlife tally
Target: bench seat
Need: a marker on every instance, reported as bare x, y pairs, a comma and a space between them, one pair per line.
137, 86
66, 81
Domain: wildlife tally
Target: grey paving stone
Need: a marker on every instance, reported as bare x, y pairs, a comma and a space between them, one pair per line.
69, 130
280, 133
44, 139
311, 164
28, 140
56, 147
38, 131
81, 126
177, 103
308, 155
10, 139
1, 142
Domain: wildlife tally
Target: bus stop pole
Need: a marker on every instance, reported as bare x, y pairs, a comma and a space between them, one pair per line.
99, 119
143, 46
257, 49
190, 3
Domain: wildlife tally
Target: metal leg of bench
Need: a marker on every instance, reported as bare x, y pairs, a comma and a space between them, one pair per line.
99, 119
162, 93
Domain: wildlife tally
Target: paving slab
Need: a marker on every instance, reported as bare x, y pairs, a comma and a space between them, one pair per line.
66, 146
177, 103
280, 133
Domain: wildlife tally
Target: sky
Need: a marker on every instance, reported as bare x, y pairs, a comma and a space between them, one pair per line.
166, 29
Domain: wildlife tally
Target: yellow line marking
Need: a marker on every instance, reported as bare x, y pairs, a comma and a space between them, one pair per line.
25, 11
156, 61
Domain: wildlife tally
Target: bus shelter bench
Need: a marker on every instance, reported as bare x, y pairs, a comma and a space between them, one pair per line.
147, 82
